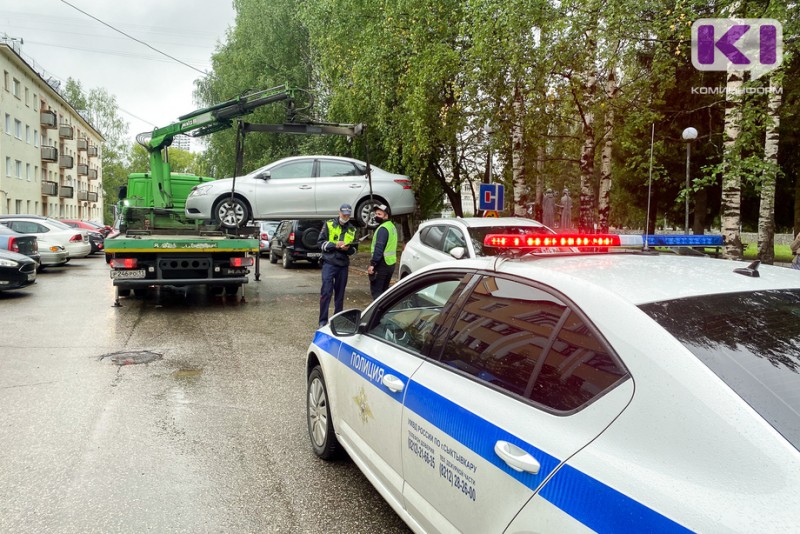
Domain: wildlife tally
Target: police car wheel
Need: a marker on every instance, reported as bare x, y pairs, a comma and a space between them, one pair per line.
320, 422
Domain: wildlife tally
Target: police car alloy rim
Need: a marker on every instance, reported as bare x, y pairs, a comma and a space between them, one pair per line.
317, 412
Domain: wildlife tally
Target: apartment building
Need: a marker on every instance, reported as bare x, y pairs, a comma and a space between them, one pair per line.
50, 155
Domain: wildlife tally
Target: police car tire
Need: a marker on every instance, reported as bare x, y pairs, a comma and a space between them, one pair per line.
318, 417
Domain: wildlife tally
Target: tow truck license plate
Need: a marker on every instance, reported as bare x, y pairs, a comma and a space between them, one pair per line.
313, 255
129, 273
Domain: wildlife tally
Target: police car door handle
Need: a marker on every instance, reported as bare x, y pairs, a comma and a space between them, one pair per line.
516, 458
356, 186
393, 383
304, 186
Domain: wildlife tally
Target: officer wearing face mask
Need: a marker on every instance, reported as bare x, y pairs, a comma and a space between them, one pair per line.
337, 241
384, 252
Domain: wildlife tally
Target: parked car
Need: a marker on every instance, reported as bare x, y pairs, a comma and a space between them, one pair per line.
52, 254
88, 225
295, 240
97, 232
267, 228
439, 240
302, 186
605, 392
16, 270
13, 241
74, 240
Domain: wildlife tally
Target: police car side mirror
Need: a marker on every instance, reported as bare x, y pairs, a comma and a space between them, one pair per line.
346, 323
458, 252
266, 175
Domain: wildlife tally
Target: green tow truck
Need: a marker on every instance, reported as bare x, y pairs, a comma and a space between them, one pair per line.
158, 245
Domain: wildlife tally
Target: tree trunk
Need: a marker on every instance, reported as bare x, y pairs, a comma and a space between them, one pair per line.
731, 208
604, 196
540, 154
518, 155
766, 213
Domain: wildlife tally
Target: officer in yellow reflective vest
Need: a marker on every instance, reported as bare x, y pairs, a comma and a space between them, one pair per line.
384, 252
337, 241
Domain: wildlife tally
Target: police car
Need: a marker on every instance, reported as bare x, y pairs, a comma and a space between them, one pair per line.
605, 391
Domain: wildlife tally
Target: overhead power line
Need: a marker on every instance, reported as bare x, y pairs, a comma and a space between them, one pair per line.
132, 37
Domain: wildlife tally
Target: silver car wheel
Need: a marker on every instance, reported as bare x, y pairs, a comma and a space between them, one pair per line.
231, 214
317, 412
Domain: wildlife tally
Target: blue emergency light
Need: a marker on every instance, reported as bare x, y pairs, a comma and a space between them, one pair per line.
664, 240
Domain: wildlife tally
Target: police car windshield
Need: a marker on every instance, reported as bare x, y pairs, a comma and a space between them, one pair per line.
751, 341
478, 234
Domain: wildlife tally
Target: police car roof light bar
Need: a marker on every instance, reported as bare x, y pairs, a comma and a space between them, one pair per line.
551, 240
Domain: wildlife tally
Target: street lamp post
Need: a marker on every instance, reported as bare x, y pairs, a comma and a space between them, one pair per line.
488, 129
688, 135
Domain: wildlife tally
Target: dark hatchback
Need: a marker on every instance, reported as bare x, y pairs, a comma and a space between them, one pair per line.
16, 270
296, 239
24, 244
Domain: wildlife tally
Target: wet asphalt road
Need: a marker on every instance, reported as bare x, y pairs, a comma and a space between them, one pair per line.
210, 436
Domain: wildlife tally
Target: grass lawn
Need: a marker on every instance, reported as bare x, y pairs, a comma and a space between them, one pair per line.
782, 252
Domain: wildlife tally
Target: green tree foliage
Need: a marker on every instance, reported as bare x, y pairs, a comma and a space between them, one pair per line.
100, 108
427, 77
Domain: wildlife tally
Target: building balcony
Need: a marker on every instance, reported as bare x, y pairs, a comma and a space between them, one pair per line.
49, 188
83, 169
93, 196
93, 174
93, 151
66, 191
83, 195
49, 153
83, 144
66, 162
47, 118
65, 131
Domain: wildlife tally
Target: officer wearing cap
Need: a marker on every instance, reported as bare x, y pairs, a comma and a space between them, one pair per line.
384, 252
337, 241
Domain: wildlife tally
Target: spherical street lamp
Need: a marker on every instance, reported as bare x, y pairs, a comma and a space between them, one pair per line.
688, 135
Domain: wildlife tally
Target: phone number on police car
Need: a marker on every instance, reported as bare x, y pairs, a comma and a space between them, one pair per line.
457, 482
421, 451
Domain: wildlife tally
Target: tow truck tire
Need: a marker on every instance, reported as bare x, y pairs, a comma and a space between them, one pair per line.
273, 258
231, 213
318, 417
140, 292
232, 290
124, 292
287, 260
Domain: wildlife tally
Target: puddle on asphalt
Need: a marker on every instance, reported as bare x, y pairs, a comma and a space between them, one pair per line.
187, 374
132, 357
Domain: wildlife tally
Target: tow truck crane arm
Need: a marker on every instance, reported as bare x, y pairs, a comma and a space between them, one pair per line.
202, 122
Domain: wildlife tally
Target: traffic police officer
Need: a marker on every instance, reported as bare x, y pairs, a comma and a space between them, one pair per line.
337, 243
384, 252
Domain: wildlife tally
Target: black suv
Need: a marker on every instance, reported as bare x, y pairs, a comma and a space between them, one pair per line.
296, 240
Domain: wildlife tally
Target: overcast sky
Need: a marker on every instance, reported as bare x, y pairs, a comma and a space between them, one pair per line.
151, 90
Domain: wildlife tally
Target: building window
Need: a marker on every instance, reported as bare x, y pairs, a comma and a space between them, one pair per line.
35, 137
27, 97
27, 134
35, 173
18, 129
18, 173
28, 171
18, 204
35, 102
5, 80
16, 88
8, 166
8, 124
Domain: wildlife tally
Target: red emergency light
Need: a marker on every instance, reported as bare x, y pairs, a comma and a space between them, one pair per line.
533, 241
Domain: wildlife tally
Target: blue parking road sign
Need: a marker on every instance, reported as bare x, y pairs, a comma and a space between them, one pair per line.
491, 197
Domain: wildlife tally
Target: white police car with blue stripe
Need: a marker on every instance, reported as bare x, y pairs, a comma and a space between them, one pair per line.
575, 392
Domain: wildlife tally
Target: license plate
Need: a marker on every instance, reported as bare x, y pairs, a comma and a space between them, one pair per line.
130, 273
313, 255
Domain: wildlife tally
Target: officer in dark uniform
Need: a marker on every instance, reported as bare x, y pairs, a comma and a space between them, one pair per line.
337, 241
384, 252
